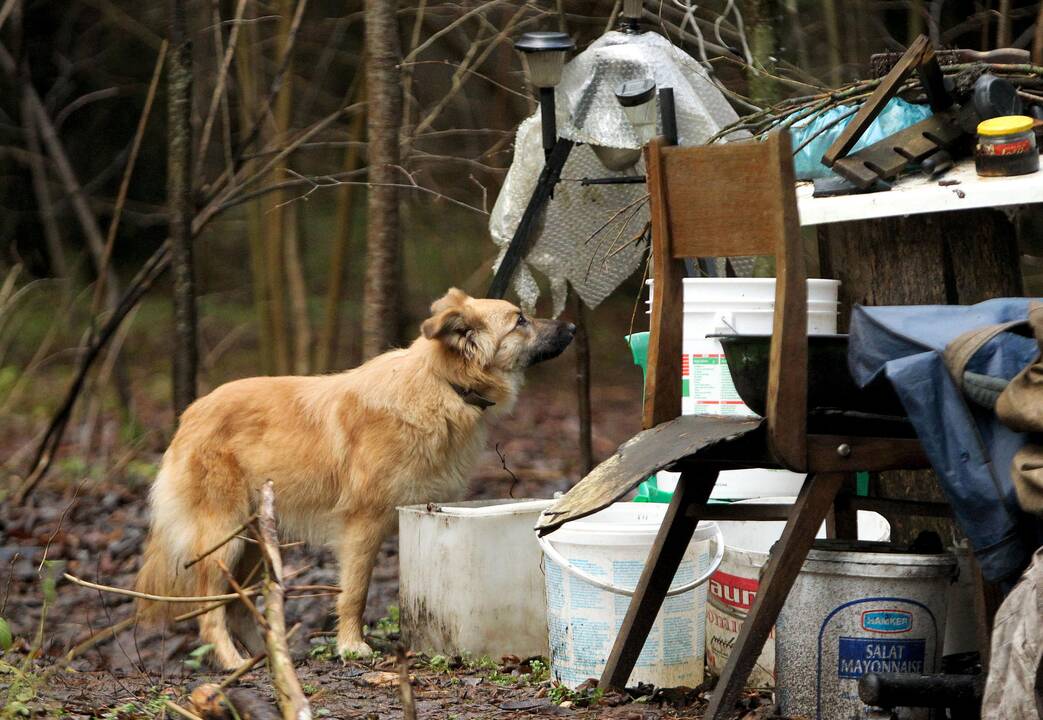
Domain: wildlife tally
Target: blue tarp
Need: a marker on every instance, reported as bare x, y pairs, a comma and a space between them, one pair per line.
970, 450
819, 132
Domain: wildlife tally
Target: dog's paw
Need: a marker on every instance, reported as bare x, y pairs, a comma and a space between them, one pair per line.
353, 650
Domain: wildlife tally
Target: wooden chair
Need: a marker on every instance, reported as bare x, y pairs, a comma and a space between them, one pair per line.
721, 201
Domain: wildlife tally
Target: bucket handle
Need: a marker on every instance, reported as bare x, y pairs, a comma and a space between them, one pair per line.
558, 558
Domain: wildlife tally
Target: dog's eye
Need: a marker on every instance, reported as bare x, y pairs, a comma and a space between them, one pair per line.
522, 322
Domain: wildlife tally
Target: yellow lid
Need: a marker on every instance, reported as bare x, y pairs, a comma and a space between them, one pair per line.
1006, 125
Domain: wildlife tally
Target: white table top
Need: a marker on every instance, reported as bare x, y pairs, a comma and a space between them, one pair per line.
917, 194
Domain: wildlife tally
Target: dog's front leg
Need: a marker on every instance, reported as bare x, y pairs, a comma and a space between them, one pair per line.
357, 554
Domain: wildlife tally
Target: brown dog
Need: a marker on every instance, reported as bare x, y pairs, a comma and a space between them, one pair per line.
343, 452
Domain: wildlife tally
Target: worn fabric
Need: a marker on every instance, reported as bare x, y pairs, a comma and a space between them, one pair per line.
1017, 647
1020, 407
970, 450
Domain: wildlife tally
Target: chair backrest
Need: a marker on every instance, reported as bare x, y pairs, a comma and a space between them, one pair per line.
724, 201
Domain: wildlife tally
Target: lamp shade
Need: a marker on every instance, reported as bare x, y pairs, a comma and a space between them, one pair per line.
637, 97
633, 9
543, 54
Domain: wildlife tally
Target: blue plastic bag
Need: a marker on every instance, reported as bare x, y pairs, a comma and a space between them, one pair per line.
896, 115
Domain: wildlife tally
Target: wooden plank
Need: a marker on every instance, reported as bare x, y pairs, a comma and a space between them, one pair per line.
644, 454
825, 453
721, 200
889, 507
742, 511
785, 561
787, 407
663, 380
671, 543
872, 107
918, 195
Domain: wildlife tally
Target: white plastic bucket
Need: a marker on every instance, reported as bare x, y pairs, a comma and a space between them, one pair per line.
592, 566
726, 290
855, 612
736, 306
733, 586
457, 592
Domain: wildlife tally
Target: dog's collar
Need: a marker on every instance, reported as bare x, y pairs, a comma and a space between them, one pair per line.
472, 397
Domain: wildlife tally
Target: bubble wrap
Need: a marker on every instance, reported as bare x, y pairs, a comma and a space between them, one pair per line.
585, 235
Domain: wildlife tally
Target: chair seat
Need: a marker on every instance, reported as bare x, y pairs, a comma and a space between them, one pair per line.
725, 441
687, 437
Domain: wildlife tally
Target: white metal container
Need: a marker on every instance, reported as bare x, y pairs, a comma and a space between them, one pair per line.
592, 566
851, 613
470, 578
734, 585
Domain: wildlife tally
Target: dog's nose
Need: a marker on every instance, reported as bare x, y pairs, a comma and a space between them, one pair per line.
571, 327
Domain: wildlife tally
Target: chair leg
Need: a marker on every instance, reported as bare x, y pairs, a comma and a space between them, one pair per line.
842, 521
787, 557
664, 558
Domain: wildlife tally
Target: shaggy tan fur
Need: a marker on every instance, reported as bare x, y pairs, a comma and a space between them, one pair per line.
343, 451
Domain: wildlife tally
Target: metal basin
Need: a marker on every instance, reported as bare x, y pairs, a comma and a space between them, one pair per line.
830, 385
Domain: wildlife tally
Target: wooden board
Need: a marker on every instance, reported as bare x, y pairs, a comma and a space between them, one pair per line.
645, 453
918, 195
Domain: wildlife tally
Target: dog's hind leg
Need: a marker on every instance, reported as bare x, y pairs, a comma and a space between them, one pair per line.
213, 626
241, 621
357, 554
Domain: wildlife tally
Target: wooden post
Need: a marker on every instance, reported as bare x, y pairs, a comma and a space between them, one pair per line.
582, 344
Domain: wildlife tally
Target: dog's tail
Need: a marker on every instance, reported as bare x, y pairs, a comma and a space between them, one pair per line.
163, 570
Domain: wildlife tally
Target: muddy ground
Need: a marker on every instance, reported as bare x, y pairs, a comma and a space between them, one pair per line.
93, 525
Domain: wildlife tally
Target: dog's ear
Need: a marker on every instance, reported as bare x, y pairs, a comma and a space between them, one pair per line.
454, 298
452, 322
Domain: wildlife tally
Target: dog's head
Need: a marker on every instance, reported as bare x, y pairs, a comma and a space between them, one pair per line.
494, 336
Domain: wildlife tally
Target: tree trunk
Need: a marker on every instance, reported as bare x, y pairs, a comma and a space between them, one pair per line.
384, 92
959, 257
326, 360
179, 205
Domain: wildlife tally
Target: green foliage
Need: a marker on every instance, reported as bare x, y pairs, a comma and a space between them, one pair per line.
21, 691
196, 657
323, 650
150, 707
585, 697
439, 664
6, 639
539, 672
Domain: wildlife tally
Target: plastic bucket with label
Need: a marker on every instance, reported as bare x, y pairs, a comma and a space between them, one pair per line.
734, 585
853, 610
741, 306
592, 566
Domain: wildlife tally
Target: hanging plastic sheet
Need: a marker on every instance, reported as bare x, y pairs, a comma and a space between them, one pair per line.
587, 234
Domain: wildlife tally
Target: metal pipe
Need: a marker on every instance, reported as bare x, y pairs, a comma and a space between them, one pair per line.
548, 120
666, 107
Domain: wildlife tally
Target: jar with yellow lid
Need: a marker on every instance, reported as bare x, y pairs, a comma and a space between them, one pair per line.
1006, 146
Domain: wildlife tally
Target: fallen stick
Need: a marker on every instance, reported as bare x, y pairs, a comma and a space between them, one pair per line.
218, 546
213, 702
288, 691
157, 598
171, 705
243, 597
405, 687
252, 662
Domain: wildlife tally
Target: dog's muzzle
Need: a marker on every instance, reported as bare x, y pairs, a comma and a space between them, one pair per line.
553, 338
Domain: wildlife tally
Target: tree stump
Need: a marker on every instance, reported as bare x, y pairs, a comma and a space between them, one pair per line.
948, 258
